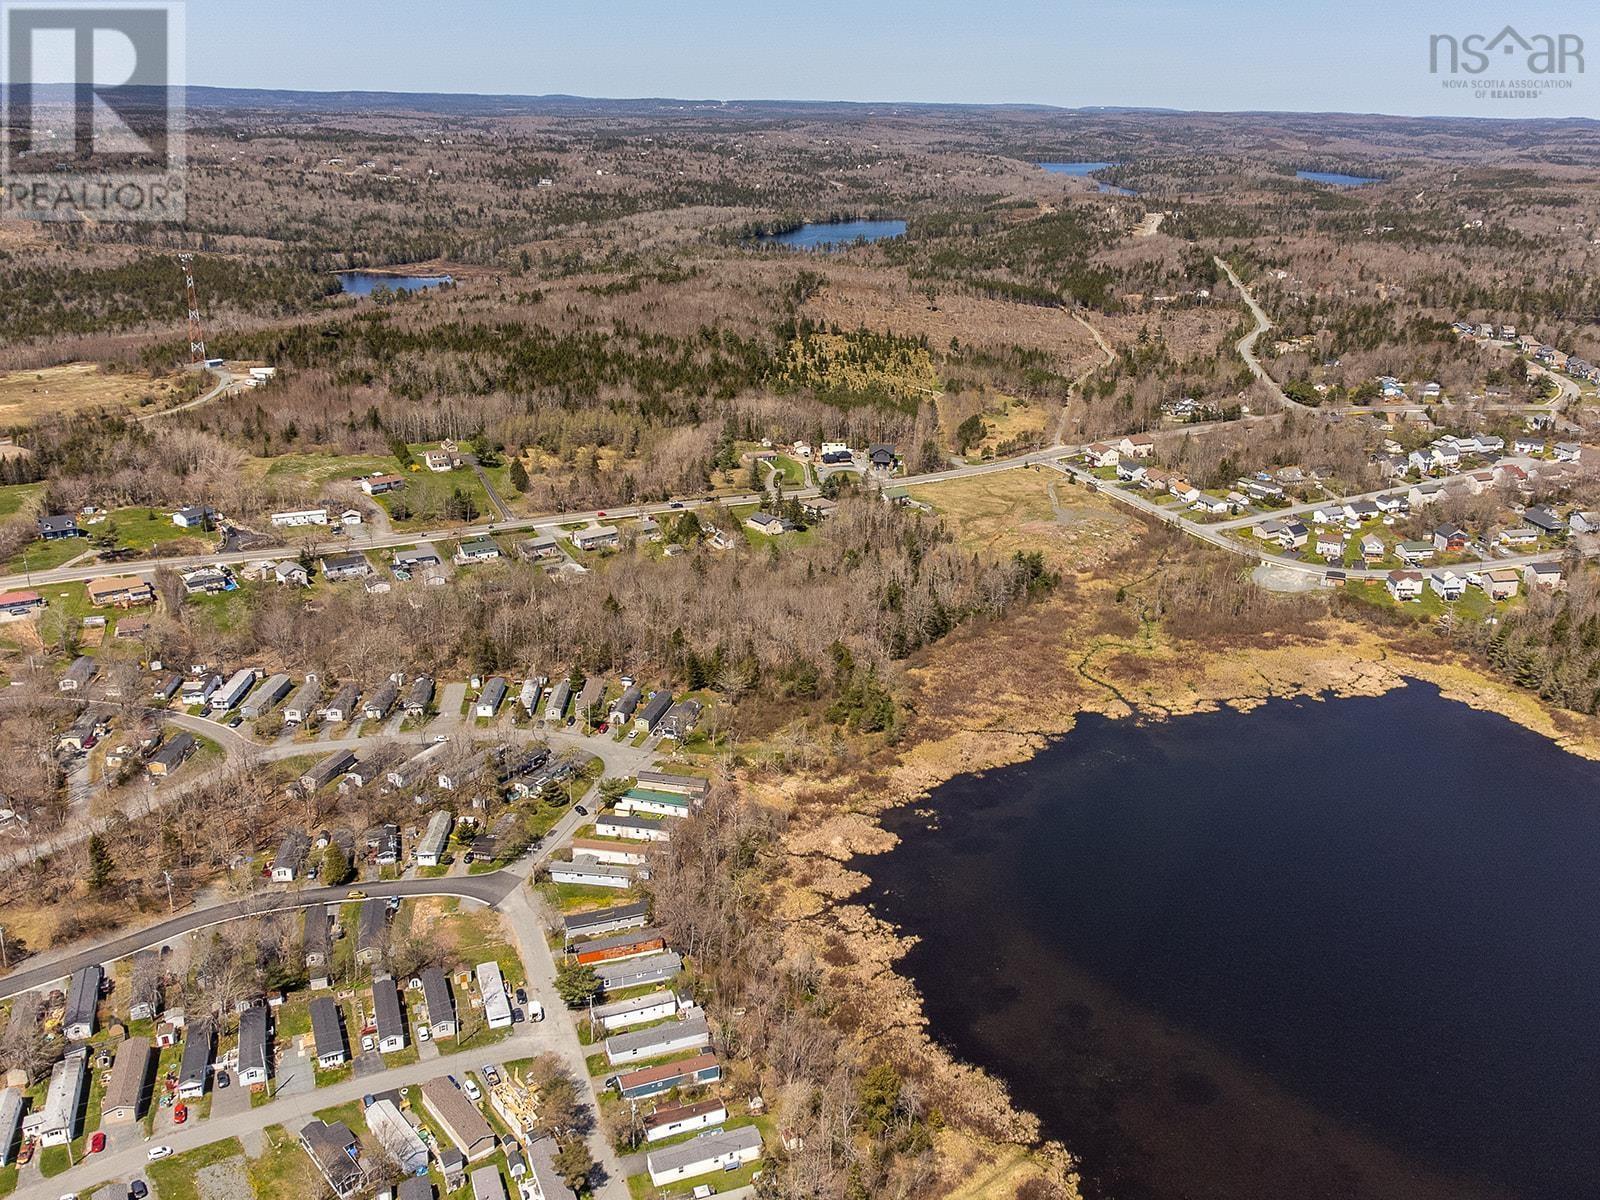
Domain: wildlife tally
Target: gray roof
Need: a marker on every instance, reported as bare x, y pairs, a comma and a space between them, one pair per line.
197, 1045
373, 921
420, 693
437, 996
619, 916
705, 1147
326, 1030
542, 1163
83, 996
636, 971
673, 1034
494, 692
415, 1188
316, 937
172, 753
656, 708
253, 1039
129, 1074
386, 1012
382, 700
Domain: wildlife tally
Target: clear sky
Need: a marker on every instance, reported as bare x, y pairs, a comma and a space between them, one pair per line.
1354, 55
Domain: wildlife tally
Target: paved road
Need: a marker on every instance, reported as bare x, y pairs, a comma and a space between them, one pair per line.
1247, 344
489, 888
1217, 535
546, 523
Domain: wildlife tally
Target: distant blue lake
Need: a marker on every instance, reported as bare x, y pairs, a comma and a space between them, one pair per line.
1337, 950
364, 283
1337, 179
1084, 169
830, 235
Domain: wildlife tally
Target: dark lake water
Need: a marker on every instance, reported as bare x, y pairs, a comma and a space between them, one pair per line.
830, 235
1341, 949
1085, 169
1335, 178
364, 283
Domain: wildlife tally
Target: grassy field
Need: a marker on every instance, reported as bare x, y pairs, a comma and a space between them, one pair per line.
424, 494
1012, 510
25, 396
174, 1177
15, 497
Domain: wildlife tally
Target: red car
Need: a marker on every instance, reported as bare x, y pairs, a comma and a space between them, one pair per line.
97, 1143
180, 1114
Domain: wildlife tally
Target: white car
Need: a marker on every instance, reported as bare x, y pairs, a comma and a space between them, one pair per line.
471, 1089
156, 1153
423, 1033
369, 1043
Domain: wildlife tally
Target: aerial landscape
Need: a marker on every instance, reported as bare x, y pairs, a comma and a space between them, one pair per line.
989, 639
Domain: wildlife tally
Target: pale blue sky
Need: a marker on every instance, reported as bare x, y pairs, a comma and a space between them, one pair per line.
1358, 55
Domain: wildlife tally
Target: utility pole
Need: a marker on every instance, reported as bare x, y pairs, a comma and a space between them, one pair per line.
3, 960
171, 906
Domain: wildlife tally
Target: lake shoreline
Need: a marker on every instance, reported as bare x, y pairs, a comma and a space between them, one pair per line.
822, 894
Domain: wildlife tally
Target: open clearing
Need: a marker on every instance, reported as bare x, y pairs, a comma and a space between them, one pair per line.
25, 396
1024, 509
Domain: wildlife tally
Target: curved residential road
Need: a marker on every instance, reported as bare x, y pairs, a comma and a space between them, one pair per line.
1217, 535
1247, 344
489, 888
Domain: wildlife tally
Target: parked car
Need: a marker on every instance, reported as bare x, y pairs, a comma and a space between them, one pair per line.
423, 1033
356, 895
490, 1075
138, 1190
471, 1089
97, 1143
369, 1043
180, 1114
157, 1153
581, 811
222, 1079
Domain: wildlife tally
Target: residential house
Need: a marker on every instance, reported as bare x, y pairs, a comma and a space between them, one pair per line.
1131, 470
544, 1181
418, 697
303, 704
672, 1120
1101, 454
350, 564
882, 458
1412, 553
606, 920
637, 1010
1372, 547
653, 1081
171, 755
1501, 583
1213, 505
377, 485
1545, 521
1447, 584
327, 1033
12, 1101
372, 931
544, 545
639, 972
255, 1046
342, 707
1526, 444
194, 1067
167, 686
555, 708
617, 946
290, 861
230, 694
291, 573
430, 848
128, 1088
83, 999
317, 946
295, 518
380, 703
326, 771
440, 1002
16, 605
720, 1150
590, 872
622, 711
78, 675
266, 696
389, 1016
1405, 585
1568, 452
1330, 546
59, 1120
640, 829
458, 1118
193, 516
337, 1153
477, 550
1293, 535
1545, 576
56, 526
673, 1037
492, 696
1138, 445
654, 709
1584, 522
767, 523
596, 537
144, 986
680, 719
